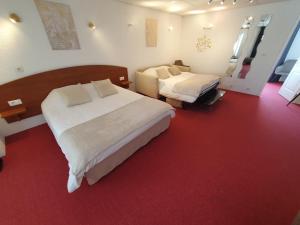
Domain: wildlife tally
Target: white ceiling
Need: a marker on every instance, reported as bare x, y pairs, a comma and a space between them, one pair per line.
188, 7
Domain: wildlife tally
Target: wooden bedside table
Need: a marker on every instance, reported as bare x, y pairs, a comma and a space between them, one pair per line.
13, 114
125, 83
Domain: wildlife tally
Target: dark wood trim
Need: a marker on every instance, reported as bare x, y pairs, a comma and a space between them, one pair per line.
125, 83
32, 90
13, 114
1, 164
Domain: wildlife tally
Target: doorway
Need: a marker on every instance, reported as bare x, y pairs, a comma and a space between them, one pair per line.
286, 75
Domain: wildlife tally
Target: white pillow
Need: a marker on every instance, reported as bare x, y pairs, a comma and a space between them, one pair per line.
153, 70
74, 95
104, 88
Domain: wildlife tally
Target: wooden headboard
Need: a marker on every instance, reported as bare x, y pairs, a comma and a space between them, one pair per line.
32, 90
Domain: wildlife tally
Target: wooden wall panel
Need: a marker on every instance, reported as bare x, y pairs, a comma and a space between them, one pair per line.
32, 90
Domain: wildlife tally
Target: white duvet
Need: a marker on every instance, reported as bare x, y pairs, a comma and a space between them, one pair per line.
167, 86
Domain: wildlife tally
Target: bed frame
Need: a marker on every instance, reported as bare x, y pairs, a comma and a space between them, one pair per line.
32, 90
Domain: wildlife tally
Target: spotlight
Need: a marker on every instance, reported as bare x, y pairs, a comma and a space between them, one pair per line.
210, 1
14, 18
91, 25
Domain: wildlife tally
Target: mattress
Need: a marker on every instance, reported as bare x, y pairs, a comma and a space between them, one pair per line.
61, 118
166, 86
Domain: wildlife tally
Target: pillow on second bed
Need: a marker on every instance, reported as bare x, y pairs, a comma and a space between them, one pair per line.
104, 88
162, 73
174, 70
74, 95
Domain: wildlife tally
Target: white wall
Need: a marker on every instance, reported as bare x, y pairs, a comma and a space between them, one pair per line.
224, 34
113, 43
294, 52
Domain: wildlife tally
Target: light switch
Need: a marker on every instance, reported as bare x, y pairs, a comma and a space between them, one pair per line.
15, 102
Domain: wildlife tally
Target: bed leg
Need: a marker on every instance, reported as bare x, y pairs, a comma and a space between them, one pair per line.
183, 105
1, 164
175, 103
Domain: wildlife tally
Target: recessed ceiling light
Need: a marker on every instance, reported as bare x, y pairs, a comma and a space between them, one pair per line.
175, 8
218, 8
192, 12
151, 3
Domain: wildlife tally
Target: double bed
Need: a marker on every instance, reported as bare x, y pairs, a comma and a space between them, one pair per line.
91, 134
99, 134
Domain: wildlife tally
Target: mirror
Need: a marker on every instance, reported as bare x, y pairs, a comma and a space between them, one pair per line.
240, 49
238, 45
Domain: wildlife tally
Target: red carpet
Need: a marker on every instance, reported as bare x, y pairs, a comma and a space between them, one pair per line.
237, 163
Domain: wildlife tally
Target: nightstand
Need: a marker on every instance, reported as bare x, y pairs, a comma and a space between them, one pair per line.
13, 114
125, 83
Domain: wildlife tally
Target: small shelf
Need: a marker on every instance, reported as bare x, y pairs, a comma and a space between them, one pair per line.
125, 83
13, 114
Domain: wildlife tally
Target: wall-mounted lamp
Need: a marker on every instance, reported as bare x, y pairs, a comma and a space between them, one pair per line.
250, 18
13, 17
209, 26
170, 28
92, 25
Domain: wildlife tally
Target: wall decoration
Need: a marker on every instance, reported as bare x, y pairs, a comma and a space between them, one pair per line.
59, 24
203, 43
151, 32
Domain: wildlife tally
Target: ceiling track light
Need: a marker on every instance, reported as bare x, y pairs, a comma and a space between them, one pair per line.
210, 1
222, 2
234, 2
251, 1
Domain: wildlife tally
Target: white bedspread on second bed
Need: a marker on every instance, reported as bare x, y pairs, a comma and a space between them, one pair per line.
166, 86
